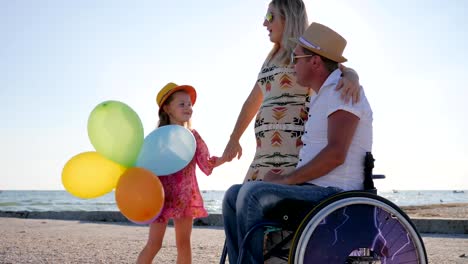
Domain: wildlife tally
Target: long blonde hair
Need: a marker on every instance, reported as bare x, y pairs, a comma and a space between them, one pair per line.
295, 23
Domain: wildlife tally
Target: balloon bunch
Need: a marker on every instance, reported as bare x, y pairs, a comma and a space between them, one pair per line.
126, 161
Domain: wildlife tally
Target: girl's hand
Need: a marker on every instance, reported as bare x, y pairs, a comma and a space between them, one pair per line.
216, 161
349, 85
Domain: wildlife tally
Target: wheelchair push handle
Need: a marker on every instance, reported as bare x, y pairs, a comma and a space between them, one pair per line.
368, 176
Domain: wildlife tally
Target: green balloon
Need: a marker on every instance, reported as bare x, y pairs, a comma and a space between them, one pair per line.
116, 132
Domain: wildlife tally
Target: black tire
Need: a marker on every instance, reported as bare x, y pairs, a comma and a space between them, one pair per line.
352, 222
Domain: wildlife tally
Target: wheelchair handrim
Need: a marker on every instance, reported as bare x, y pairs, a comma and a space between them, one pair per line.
325, 211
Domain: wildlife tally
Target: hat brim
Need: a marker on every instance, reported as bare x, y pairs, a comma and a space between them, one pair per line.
186, 88
339, 59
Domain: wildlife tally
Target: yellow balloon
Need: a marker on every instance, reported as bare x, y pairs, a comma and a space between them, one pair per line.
90, 175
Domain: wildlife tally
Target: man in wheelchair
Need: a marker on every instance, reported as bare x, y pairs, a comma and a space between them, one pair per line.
336, 138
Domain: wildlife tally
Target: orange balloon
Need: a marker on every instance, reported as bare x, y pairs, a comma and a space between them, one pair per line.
139, 195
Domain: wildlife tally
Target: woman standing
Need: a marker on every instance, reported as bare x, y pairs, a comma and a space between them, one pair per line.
278, 102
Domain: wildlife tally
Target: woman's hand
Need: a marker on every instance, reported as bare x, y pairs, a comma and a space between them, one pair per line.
247, 113
349, 85
233, 149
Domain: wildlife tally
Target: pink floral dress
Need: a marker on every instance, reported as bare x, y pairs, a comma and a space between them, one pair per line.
182, 195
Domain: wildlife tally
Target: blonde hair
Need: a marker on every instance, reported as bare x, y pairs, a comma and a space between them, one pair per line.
164, 119
294, 14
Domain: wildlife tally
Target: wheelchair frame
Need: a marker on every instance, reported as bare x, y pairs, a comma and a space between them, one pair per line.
380, 231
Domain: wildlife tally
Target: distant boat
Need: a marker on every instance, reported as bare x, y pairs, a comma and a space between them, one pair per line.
395, 191
456, 191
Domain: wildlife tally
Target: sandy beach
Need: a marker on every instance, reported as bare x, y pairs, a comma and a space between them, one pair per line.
71, 241
60, 241
449, 210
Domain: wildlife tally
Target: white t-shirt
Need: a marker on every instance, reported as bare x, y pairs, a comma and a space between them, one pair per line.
349, 175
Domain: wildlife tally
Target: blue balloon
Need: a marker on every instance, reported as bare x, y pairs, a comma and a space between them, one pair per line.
167, 150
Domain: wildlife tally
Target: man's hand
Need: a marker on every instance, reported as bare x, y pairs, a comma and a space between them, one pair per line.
275, 178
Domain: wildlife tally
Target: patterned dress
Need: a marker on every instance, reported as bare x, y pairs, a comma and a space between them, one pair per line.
182, 195
279, 123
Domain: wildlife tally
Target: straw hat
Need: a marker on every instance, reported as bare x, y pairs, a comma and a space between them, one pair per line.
171, 88
323, 41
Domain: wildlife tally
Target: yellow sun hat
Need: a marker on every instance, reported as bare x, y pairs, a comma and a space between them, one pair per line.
171, 88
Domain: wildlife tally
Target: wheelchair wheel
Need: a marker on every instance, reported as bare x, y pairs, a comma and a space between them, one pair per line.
357, 227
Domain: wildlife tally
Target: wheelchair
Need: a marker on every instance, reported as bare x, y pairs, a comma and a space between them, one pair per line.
348, 227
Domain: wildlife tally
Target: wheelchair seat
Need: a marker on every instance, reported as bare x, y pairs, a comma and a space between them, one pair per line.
290, 213
347, 227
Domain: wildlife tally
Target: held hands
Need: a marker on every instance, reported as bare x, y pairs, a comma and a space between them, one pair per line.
216, 161
233, 149
349, 85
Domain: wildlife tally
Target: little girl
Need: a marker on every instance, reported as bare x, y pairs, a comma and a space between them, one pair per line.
183, 201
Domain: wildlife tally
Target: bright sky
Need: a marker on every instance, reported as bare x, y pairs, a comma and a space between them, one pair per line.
59, 59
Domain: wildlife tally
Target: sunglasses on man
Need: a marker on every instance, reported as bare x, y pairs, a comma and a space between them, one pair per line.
294, 57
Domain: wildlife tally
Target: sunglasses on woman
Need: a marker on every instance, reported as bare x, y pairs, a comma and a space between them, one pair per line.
269, 17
